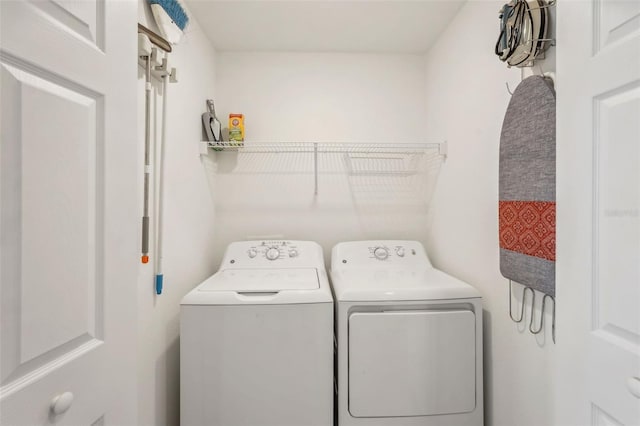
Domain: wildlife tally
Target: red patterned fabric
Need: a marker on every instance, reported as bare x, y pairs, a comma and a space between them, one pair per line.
529, 227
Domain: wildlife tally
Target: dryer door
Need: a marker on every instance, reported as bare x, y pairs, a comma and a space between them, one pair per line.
411, 363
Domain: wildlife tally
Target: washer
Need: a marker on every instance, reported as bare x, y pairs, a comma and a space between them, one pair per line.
409, 339
256, 339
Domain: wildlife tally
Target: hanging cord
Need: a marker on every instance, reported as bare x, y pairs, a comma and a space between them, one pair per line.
533, 42
512, 28
523, 26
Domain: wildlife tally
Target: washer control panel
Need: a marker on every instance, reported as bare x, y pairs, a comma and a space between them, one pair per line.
386, 252
274, 250
269, 253
379, 253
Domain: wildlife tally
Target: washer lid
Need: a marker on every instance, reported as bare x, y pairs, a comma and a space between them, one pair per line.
262, 280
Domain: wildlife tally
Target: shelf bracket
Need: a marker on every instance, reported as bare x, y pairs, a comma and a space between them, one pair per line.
315, 168
443, 149
204, 148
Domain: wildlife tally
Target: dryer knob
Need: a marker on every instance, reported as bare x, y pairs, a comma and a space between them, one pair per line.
400, 251
272, 253
252, 253
381, 253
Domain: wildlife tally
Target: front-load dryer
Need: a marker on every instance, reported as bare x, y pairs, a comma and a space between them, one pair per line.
256, 339
409, 339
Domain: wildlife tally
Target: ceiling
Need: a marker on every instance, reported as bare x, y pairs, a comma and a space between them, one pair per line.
378, 26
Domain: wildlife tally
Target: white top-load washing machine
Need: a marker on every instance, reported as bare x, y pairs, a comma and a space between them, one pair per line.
409, 339
256, 339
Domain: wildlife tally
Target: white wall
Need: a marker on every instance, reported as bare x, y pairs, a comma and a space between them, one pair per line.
324, 96
315, 97
189, 223
460, 98
466, 102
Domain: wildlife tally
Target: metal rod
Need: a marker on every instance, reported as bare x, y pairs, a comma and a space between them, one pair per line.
342, 145
309, 151
275, 150
524, 299
147, 159
551, 41
155, 38
553, 318
546, 6
541, 325
160, 180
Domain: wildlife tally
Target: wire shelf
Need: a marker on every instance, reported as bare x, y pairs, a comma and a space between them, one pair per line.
324, 147
362, 157
377, 169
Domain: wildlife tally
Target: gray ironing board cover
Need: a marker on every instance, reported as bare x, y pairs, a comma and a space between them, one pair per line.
527, 186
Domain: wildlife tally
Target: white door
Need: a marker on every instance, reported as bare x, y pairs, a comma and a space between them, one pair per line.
67, 204
598, 199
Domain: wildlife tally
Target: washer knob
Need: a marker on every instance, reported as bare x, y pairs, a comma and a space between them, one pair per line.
381, 253
252, 253
400, 251
293, 253
272, 253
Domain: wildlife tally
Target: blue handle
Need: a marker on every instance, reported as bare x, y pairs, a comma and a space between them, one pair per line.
159, 283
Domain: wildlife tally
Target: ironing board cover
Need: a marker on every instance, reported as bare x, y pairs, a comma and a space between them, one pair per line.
527, 188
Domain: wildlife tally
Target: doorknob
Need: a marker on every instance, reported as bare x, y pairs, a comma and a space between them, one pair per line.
633, 383
61, 403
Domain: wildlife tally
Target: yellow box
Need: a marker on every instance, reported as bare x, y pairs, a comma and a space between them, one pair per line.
236, 128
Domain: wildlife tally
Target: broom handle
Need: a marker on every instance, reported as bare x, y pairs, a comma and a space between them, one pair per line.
147, 164
159, 274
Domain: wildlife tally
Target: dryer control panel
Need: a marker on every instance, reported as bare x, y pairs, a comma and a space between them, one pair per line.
269, 253
379, 253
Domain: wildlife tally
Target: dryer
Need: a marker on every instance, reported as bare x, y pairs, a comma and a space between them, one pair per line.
409, 339
256, 339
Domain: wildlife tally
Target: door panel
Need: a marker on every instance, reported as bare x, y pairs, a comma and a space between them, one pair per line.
54, 199
598, 269
600, 418
67, 203
614, 21
82, 19
616, 242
